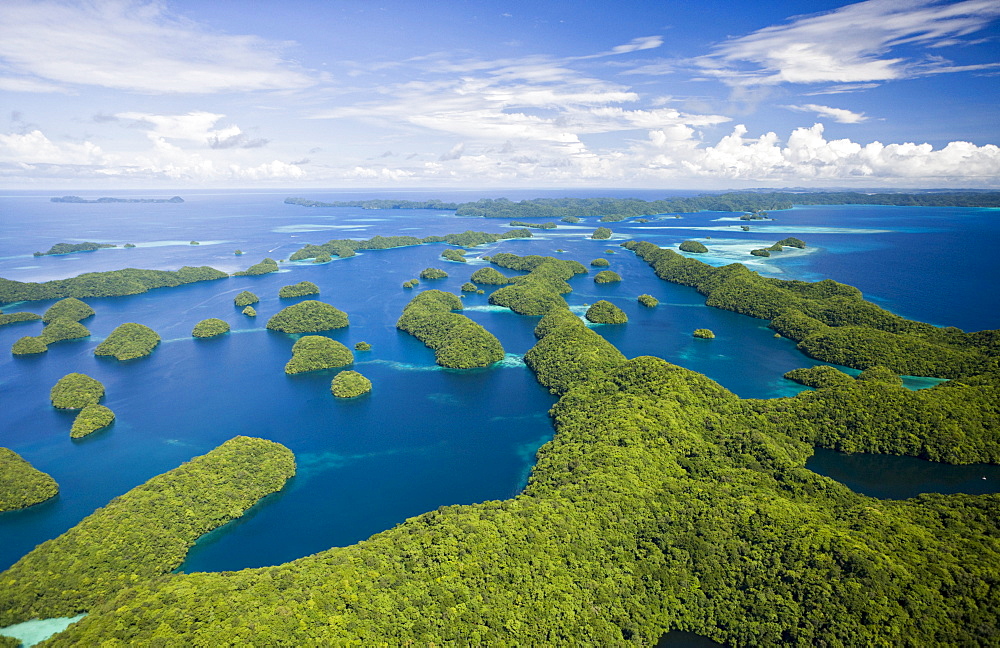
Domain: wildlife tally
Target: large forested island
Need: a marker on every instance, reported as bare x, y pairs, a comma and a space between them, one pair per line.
663, 501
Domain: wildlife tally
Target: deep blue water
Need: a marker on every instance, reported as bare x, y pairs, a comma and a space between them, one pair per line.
425, 437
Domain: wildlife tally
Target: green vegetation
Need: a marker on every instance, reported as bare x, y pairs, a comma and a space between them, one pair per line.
601, 233
648, 300
457, 341
549, 225
819, 376
791, 241
454, 255
129, 341
61, 329
433, 273
114, 283
703, 333
489, 276
347, 247
68, 248
143, 534
11, 318
210, 327
91, 418
538, 291
831, 321
469, 287
412, 283
238, 252
761, 252
323, 258
250, 311
266, 266
76, 391
607, 276
315, 352
300, 289
129, 246
21, 484
29, 345
362, 346
570, 219
309, 316
349, 384
245, 298
70, 308
374, 204
195, 243
600, 263
604, 312
693, 246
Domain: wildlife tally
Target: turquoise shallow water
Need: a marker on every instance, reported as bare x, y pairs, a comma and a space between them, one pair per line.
425, 437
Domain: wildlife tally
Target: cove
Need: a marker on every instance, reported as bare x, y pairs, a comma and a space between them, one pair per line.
895, 477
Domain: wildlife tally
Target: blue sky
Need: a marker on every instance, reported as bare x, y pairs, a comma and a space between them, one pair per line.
358, 94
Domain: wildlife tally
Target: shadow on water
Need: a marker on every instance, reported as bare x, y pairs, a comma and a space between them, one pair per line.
681, 639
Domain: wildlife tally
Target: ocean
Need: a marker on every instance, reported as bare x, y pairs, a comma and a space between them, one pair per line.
424, 437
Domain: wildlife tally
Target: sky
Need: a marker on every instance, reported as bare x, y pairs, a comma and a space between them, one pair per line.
123, 94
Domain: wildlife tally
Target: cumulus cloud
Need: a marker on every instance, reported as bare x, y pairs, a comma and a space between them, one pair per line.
133, 45
196, 126
35, 148
851, 44
840, 115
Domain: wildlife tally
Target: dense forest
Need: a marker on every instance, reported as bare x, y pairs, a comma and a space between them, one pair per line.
345, 248
114, 283
663, 501
458, 342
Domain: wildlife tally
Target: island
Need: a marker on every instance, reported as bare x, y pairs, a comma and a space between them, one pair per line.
468, 286
92, 417
245, 298
250, 311
143, 534
696, 247
489, 276
345, 248
266, 266
29, 345
78, 199
21, 484
433, 273
604, 312
350, 384
457, 341
761, 252
549, 225
362, 346
69, 248
300, 289
309, 316
648, 300
129, 341
315, 352
76, 391
607, 276
454, 255
210, 327
600, 263
70, 308
375, 204
113, 283
601, 233
704, 334
541, 289
13, 318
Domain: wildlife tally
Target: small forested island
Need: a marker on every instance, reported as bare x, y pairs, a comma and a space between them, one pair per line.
704, 334
604, 312
601, 233
761, 252
548, 225
78, 199
607, 276
91, 418
648, 300
266, 266
454, 255
362, 346
468, 286
29, 345
67, 248
143, 534
245, 298
696, 247
315, 352
600, 263
458, 342
62, 328
489, 276
345, 248
250, 311
21, 484
129, 341
433, 273
70, 308
349, 384
12, 318
113, 283
300, 289
76, 391
310, 316
210, 327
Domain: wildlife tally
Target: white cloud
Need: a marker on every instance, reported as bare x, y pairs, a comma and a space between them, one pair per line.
841, 115
35, 148
851, 44
133, 45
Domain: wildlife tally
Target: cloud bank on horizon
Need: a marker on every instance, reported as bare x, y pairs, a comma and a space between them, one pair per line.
134, 93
